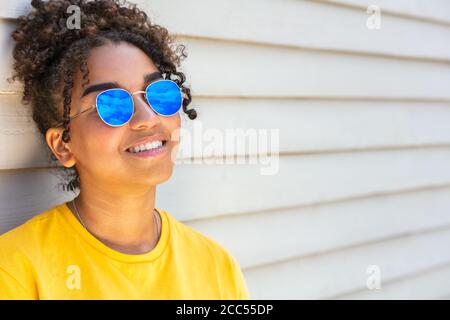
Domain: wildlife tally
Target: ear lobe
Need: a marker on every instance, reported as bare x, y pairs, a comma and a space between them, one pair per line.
60, 149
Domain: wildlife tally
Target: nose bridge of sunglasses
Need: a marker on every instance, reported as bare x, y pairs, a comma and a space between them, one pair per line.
137, 92
143, 100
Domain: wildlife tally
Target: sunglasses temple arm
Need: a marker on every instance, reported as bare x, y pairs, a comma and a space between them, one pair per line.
138, 92
73, 117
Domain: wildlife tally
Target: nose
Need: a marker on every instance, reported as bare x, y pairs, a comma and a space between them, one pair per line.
143, 116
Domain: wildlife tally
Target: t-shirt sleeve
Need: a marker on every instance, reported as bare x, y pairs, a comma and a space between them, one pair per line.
242, 292
11, 289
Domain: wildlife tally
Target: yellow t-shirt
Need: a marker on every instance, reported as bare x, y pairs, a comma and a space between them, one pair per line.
52, 256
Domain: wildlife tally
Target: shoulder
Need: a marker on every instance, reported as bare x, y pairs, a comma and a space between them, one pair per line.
209, 252
19, 249
192, 239
26, 237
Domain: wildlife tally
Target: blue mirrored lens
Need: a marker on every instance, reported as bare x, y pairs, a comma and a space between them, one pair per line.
164, 97
115, 106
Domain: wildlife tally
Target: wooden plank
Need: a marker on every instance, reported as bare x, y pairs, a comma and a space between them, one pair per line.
13, 9
6, 63
23, 194
444, 297
294, 23
329, 274
324, 125
261, 72
431, 284
266, 237
22, 144
437, 11
300, 180
210, 189
304, 126
302, 24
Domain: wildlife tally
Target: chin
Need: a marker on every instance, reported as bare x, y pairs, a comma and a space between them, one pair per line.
162, 176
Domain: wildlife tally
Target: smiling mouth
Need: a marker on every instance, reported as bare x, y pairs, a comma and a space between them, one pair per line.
153, 148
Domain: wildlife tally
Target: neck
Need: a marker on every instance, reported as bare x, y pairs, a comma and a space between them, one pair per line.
124, 221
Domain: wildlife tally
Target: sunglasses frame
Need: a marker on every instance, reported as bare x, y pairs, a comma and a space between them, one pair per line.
132, 101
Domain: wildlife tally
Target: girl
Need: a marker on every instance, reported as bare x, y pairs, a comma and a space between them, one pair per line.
104, 101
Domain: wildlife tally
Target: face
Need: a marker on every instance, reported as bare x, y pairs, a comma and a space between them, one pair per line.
98, 150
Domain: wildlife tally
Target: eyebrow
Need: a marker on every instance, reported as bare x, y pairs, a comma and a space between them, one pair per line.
148, 78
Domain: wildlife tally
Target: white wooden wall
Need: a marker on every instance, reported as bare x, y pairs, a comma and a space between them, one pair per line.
364, 119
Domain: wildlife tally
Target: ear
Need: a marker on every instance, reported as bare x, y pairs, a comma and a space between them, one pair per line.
60, 149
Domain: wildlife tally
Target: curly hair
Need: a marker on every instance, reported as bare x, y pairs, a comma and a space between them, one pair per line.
47, 54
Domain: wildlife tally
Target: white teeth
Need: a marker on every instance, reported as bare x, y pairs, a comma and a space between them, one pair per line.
147, 146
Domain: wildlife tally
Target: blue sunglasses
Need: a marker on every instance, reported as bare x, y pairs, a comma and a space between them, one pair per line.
116, 107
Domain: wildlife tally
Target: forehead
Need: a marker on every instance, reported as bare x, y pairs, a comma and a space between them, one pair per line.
122, 62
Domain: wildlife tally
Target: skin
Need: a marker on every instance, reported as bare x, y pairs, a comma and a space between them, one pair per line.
117, 190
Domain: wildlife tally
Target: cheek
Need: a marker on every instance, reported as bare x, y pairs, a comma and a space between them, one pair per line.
101, 140
172, 125
175, 120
